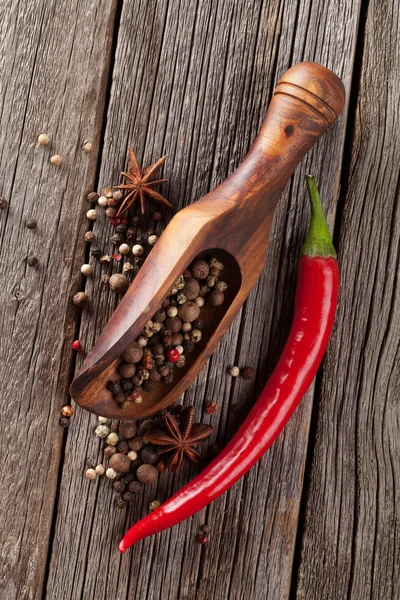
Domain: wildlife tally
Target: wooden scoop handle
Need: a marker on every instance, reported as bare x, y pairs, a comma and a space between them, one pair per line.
307, 99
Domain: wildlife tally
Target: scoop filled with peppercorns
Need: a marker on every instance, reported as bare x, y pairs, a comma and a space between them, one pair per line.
154, 359
144, 373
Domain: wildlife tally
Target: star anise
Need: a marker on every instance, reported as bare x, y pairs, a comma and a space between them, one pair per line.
180, 439
141, 184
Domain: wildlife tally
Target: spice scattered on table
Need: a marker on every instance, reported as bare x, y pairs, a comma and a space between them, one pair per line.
56, 159
77, 346
3, 203
43, 139
234, 371
211, 407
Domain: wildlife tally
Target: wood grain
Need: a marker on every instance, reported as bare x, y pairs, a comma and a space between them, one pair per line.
53, 73
350, 546
194, 81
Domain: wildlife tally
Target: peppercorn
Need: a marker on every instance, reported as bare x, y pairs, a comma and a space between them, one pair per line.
247, 373
205, 529
109, 451
195, 335
3, 203
112, 439
137, 381
169, 378
90, 237
204, 289
160, 466
157, 216
123, 447
174, 324
100, 469
77, 346
146, 426
202, 539
102, 201
214, 272
199, 268
67, 411
31, 223
120, 502
154, 505
148, 364
56, 159
215, 298
153, 239
211, 407
119, 486
188, 347
147, 474
114, 387
191, 289
127, 429
127, 370
111, 212
135, 219
128, 496
199, 301
120, 462
32, 261
133, 353
180, 362
80, 299
198, 324
149, 455
155, 375
92, 197
128, 267
91, 474
136, 397
86, 270
102, 431
221, 286
149, 386
43, 139
135, 487
95, 252
137, 250
121, 228
117, 195
234, 371
136, 443
189, 311
127, 385
91, 214
118, 283
65, 422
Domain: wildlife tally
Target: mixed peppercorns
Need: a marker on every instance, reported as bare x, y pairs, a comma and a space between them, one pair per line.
170, 335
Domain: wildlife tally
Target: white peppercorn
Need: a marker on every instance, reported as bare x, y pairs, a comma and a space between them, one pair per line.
124, 249
102, 201
100, 469
199, 301
186, 327
152, 239
234, 371
172, 311
43, 139
91, 474
56, 159
86, 270
102, 420
102, 431
132, 455
112, 439
110, 473
91, 214
137, 250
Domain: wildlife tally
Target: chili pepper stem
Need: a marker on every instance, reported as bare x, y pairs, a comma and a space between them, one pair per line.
318, 240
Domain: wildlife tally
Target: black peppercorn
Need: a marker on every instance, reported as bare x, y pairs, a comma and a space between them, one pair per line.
3, 203
127, 478
32, 261
123, 447
149, 455
120, 502
169, 378
130, 234
149, 386
65, 422
119, 486
121, 228
31, 223
198, 324
135, 487
116, 239
96, 252
160, 316
92, 197
128, 496
126, 385
114, 387
247, 373
158, 349
135, 220
188, 347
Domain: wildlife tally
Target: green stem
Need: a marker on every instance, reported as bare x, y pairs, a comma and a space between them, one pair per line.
318, 241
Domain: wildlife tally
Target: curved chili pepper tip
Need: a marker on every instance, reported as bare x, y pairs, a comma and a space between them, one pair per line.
318, 240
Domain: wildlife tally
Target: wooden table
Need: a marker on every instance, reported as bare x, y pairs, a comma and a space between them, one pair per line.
319, 516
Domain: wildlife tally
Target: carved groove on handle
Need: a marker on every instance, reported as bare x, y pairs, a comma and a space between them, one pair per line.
317, 104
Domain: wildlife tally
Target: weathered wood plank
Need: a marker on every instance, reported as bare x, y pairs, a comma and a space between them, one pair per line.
194, 82
351, 537
53, 72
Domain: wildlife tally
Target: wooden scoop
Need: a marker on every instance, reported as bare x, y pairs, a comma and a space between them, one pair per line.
232, 223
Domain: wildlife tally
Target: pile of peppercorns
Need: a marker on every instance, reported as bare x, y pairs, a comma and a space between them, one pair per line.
172, 332
129, 459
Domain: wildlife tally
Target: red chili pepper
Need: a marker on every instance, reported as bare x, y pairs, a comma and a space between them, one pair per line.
315, 306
